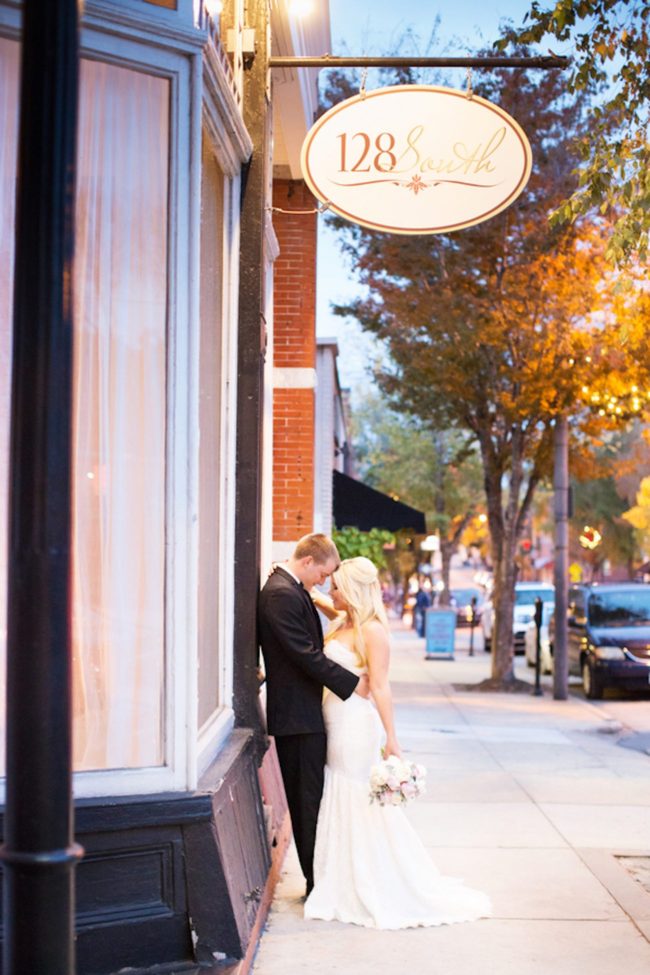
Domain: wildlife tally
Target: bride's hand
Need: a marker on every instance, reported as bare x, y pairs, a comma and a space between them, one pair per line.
392, 748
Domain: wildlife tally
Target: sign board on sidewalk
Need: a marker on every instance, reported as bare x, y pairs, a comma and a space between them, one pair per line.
416, 159
440, 633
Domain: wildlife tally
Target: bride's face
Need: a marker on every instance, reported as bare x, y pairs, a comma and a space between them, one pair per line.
337, 596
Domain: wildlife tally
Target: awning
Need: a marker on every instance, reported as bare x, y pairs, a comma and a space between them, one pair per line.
359, 506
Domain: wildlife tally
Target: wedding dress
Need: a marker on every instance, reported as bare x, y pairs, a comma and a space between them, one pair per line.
370, 867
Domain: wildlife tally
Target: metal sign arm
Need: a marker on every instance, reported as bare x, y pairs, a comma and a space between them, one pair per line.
546, 62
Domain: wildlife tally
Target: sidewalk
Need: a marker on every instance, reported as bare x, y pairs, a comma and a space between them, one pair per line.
527, 800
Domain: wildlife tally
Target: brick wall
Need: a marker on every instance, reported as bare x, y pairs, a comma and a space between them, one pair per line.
294, 359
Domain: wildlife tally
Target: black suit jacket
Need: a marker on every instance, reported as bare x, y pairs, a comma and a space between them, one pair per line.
291, 638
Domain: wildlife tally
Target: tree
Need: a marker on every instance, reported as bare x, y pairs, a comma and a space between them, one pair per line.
352, 542
486, 329
611, 50
638, 516
432, 470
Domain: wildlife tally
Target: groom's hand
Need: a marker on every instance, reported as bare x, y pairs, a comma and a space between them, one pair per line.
363, 687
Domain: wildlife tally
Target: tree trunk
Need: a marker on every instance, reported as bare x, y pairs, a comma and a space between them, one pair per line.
504, 522
447, 549
505, 574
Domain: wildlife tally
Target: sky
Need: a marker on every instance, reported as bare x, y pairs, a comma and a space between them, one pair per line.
373, 27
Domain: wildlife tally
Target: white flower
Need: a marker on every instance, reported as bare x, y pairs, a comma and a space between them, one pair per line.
395, 781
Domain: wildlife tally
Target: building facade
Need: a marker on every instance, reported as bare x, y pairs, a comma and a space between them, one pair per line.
178, 803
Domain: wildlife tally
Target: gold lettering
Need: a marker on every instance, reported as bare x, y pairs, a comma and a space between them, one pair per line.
493, 144
411, 148
465, 159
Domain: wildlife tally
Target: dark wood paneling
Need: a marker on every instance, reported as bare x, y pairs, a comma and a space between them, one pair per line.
174, 880
133, 883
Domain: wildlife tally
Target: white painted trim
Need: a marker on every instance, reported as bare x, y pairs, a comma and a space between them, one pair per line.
294, 377
230, 333
212, 736
182, 494
222, 116
186, 720
281, 551
132, 18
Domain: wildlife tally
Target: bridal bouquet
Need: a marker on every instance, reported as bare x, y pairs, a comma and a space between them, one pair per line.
395, 781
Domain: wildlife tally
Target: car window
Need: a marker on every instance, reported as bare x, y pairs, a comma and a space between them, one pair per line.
526, 597
627, 607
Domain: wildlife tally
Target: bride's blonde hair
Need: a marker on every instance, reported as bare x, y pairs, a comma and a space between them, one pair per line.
358, 582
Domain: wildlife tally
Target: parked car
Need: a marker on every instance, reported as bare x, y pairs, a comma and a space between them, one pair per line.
530, 640
609, 636
524, 611
461, 601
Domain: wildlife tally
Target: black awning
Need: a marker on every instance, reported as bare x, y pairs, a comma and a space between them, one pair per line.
359, 506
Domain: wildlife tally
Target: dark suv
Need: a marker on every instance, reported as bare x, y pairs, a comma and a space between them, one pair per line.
609, 636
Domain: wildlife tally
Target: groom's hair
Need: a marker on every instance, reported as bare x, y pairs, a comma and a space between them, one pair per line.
318, 546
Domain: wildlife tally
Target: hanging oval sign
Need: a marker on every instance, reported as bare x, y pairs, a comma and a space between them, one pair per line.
416, 159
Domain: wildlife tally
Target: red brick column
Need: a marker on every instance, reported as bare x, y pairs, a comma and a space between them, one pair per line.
294, 358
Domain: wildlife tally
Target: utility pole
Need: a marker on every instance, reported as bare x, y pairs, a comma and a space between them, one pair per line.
39, 854
561, 572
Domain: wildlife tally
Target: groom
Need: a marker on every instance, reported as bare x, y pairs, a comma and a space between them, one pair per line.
291, 637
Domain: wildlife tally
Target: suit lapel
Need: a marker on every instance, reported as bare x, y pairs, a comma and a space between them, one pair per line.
305, 595
315, 612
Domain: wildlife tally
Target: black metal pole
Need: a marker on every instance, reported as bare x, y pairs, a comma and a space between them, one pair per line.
472, 624
561, 560
539, 606
334, 61
250, 390
39, 854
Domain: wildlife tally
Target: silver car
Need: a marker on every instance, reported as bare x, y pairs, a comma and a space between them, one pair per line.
523, 612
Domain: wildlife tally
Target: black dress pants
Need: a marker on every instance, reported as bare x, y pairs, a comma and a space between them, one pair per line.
302, 764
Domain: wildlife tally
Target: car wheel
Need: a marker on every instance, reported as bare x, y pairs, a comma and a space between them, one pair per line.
591, 682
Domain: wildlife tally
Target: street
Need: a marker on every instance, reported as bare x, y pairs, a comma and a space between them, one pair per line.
530, 800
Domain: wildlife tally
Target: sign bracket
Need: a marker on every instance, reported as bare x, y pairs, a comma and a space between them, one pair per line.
544, 62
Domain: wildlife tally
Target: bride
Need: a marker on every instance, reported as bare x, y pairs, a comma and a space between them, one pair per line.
370, 867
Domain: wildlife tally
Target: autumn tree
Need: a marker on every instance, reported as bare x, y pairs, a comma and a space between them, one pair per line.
436, 471
610, 51
486, 329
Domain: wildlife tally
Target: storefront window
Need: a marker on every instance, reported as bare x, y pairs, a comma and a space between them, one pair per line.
119, 395
212, 234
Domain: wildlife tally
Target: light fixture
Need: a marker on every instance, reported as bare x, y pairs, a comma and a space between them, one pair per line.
590, 538
301, 8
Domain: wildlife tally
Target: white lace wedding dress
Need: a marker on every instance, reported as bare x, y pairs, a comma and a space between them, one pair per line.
370, 867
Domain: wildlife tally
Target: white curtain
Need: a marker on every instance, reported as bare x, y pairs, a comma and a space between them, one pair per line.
119, 418
9, 84
119, 407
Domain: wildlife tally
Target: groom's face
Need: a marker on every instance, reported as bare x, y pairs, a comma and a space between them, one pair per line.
315, 573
